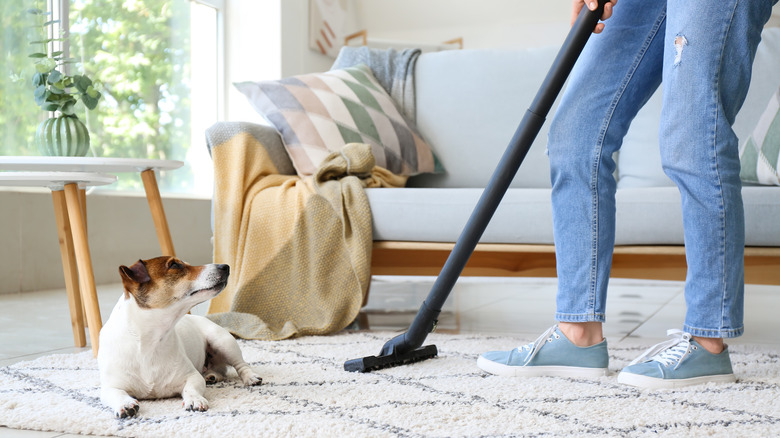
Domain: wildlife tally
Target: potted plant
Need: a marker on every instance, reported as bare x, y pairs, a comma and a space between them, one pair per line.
54, 91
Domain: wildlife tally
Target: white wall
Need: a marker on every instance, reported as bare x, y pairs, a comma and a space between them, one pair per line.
265, 40
481, 23
253, 50
297, 57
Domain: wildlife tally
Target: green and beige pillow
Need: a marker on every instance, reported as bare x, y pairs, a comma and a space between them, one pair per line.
760, 154
317, 114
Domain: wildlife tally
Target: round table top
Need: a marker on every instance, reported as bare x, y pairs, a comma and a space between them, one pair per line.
55, 180
85, 164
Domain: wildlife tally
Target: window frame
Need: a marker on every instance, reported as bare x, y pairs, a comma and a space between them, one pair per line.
219, 6
60, 10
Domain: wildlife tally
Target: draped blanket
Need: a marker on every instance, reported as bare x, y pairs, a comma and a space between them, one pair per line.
299, 249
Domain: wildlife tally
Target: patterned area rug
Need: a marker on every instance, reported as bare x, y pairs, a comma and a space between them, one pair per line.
307, 393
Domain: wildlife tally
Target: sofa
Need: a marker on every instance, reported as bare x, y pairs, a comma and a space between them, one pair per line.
468, 104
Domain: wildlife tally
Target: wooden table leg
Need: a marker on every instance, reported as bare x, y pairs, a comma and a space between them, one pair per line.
69, 267
84, 263
158, 214
83, 202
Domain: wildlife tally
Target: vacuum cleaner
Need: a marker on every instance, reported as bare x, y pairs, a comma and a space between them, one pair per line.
405, 348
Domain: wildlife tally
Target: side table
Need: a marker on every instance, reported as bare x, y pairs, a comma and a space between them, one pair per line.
94, 166
146, 167
67, 189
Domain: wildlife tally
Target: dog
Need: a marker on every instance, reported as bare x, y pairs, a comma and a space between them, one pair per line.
151, 348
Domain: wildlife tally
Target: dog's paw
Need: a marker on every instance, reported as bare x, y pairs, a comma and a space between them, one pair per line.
128, 410
196, 403
250, 378
213, 377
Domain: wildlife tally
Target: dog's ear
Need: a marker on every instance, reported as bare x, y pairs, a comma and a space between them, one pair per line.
134, 276
136, 273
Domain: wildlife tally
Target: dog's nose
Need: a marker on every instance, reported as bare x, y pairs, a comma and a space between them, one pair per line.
224, 268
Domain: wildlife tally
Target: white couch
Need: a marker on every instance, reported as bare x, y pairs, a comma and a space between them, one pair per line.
469, 103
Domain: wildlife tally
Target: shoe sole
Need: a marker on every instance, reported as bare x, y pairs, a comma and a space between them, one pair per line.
658, 383
539, 371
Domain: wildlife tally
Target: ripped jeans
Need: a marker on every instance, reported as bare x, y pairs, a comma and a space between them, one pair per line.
703, 52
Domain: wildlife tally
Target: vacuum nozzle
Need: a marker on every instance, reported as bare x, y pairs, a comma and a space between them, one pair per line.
404, 348
372, 363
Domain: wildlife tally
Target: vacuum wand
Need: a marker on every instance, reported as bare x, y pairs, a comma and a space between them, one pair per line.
405, 348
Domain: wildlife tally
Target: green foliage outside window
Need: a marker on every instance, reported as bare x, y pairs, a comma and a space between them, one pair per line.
139, 50
19, 114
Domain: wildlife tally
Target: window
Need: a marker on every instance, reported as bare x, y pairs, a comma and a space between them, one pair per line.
19, 115
158, 63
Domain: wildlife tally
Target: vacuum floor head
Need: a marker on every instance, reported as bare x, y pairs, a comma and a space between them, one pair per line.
372, 363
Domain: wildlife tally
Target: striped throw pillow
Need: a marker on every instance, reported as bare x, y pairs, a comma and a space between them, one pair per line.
760, 154
317, 114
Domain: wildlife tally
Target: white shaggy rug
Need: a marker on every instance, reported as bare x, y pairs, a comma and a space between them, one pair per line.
306, 392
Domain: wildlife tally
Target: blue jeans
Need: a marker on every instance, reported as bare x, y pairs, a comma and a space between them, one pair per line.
703, 52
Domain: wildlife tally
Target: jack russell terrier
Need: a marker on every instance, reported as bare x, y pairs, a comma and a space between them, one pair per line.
151, 348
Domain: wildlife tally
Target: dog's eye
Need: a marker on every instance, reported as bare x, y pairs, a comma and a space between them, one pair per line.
174, 265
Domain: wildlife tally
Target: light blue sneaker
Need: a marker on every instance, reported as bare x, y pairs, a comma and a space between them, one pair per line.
552, 354
678, 362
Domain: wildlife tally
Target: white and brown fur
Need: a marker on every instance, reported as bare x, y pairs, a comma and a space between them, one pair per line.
151, 348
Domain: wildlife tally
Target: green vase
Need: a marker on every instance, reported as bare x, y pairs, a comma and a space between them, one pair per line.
63, 136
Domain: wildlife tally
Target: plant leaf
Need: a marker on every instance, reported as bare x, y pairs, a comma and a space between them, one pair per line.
37, 55
89, 101
54, 77
82, 83
45, 65
50, 107
38, 79
93, 93
40, 100
68, 108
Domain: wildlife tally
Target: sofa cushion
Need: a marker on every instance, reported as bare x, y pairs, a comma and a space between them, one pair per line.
639, 158
644, 216
319, 113
760, 154
469, 104
763, 84
639, 162
439, 215
653, 216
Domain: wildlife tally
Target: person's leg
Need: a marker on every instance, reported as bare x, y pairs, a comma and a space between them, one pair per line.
615, 75
707, 72
708, 58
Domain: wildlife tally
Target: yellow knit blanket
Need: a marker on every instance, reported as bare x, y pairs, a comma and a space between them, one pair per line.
299, 250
